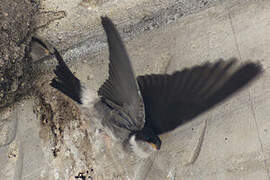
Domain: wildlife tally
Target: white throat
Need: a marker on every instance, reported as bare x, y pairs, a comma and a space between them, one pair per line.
137, 149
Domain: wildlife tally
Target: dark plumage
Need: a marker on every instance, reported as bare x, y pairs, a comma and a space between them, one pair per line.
171, 100
66, 82
138, 110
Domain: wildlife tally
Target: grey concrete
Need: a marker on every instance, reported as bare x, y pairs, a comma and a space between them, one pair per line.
76, 25
229, 142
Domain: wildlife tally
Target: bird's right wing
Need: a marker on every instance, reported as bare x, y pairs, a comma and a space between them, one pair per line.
171, 100
121, 90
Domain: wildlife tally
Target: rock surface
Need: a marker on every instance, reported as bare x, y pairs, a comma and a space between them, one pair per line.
45, 135
16, 26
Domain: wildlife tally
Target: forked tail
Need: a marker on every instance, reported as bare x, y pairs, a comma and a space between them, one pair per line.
65, 81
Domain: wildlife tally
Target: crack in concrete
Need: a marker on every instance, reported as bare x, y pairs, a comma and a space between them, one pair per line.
168, 64
197, 149
258, 134
19, 164
234, 33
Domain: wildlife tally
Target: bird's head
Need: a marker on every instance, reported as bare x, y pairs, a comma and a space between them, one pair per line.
144, 142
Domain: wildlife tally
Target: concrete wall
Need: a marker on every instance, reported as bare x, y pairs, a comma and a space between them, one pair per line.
45, 136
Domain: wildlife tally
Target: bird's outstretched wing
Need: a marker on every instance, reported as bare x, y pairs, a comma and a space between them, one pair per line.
171, 100
121, 90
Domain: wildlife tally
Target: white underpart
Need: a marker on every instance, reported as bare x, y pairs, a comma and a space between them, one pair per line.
136, 149
89, 97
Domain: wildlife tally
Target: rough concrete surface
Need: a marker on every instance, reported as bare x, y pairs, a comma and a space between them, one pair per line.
76, 25
16, 26
45, 135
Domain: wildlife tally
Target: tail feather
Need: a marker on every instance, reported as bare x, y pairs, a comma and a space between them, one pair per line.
65, 81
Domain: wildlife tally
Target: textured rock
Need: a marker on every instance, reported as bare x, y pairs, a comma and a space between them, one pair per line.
16, 25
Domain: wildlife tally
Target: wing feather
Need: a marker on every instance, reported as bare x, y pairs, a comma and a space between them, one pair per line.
171, 100
121, 90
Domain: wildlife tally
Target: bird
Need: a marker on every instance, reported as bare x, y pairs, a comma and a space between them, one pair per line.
137, 110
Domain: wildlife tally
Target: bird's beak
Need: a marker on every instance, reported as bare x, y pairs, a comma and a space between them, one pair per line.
154, 146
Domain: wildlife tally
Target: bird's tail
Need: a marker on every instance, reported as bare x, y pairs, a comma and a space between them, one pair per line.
65, 81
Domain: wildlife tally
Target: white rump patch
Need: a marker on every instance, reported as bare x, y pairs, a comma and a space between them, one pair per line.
89, 97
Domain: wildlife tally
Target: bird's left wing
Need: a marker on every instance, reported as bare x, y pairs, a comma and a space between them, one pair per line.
121, 90
171, 100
